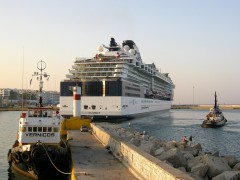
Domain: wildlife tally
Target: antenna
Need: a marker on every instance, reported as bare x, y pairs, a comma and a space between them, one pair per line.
41, 65
22, 77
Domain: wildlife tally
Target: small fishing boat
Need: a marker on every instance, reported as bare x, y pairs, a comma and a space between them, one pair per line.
215, 117
38, 151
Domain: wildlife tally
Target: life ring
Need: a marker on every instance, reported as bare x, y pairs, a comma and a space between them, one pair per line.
26, 156
16, 157
38, 153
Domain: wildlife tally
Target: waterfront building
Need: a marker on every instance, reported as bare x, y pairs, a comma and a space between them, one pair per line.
5, 92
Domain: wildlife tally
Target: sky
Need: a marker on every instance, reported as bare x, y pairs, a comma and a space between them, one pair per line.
196, 42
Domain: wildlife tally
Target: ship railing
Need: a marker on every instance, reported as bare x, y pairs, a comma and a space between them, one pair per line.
103, 59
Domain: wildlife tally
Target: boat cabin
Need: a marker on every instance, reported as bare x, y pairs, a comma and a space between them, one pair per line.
39, 124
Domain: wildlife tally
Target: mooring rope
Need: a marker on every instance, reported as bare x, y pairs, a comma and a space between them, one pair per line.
64, 142
56, 166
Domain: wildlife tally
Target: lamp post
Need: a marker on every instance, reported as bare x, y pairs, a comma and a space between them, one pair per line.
193, 95
30, 94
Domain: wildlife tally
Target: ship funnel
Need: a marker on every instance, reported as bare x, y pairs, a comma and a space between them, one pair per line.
76, 101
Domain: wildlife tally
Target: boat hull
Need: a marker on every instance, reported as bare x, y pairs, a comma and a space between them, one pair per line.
114, 107
211, 124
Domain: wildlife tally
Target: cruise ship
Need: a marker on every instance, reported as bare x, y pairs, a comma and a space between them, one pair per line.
116, 83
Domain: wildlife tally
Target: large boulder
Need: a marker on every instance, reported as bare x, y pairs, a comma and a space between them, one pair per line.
129, 135
197, 146
193, 162
201, 153
135, 141
232, 161
200, 169
182, 145
195, 152
147, 146
170, 144
194, 176
232, 175
175, 157
182, 169
237, 167
216, 153
145, 137
159, 151
121, 132
216, 165
187, 154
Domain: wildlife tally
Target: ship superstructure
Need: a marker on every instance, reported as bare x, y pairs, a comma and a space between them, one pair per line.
116, 82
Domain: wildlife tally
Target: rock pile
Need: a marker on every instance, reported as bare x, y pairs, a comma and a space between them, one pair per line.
189, 159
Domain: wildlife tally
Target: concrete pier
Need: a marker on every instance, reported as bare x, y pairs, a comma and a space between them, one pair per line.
91, 160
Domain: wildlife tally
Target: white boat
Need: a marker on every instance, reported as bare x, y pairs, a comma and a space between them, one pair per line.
38, 151
117, 83
215, 117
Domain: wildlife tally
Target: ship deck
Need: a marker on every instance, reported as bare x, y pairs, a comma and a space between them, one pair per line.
91, 158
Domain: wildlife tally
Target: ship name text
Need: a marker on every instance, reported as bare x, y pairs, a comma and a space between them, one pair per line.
40, 134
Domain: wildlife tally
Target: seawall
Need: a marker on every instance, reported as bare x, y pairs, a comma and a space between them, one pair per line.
140, 163
204, 107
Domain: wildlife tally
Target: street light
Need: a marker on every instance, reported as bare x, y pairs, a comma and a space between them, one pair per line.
193, 95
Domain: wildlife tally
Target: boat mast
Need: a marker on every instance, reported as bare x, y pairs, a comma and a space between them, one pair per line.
215, 102
41, 65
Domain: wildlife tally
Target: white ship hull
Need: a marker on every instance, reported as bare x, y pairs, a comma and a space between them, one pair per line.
113, 106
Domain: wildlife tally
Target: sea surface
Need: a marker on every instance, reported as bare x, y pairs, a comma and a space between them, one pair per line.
171, 125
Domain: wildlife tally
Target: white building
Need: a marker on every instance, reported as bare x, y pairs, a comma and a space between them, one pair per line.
5, 92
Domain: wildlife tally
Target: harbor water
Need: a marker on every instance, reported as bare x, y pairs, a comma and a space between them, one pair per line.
178, 123
168, 126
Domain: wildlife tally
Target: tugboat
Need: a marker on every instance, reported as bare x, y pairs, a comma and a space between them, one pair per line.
215, 117
38, 151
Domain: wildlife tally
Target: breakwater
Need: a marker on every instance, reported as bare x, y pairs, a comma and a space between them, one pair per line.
140, 163
204, 107
154, 159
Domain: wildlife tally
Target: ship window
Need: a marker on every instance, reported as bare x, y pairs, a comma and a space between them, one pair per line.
49, 129
132, 95
39, 129
34, 129
45, 113
44, 129
85, 107
49, 113
39, 113
55, 129
93, 107
30, 113
29, 129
